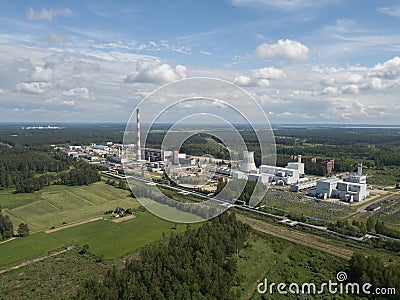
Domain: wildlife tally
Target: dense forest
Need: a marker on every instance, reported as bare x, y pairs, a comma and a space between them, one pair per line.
28, 170
370, 269
198, 264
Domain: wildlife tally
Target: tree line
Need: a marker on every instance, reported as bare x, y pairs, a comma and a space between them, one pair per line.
28, 170
198, 264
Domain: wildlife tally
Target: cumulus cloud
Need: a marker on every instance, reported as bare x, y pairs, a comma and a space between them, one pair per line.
155, 72
79, 92
41, 74
246, 81
243, 80
351, 89
32, 87
284, 49
48, 14
330, 90
260, 77
388, 69
269, 73
342, 78
375, 83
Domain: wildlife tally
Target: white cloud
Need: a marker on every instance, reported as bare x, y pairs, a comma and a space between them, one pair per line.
391, 11
69, 103
342, 78
32, 87
330, 90
246, 81
388, 69
205, 52
79, 92
41, 74
285, 49
302, 90
351, 89
269, 73
243, 80
375, 83
263, 83
260, 77
48, 14
156, 72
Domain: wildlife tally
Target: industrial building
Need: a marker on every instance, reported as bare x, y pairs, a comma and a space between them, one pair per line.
352, 188
303, 184
269, 174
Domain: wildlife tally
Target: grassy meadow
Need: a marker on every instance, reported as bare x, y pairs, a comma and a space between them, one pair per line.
57, 204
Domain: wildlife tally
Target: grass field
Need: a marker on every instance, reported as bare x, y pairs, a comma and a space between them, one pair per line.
54, 278
105, 238
57, 204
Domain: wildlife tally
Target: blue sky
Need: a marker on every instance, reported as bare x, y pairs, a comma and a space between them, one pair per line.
305, 61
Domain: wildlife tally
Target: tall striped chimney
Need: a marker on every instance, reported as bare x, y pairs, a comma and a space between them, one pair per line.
139, 151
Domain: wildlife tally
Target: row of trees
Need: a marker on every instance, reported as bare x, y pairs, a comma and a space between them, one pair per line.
356, 228
198, 264
83, 174
381, 228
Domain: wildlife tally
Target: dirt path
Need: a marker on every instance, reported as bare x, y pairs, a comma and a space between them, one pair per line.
296, 237
119, 220
11, 239
74, 224
31, 261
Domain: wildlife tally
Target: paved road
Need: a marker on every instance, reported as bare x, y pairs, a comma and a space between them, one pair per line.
363, 207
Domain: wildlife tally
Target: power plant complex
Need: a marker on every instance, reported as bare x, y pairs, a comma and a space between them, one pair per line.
351, 187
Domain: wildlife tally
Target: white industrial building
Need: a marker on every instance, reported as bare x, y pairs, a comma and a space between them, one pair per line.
303, 184
352, 188
280, 176
269, 174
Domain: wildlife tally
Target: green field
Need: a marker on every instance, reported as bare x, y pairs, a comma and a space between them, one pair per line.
57, 277
57, 204
105, 238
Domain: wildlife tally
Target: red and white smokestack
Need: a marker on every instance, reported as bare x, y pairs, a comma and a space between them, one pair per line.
139, 151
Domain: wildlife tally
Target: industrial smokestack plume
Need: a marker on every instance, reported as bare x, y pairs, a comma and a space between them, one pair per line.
139, 151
